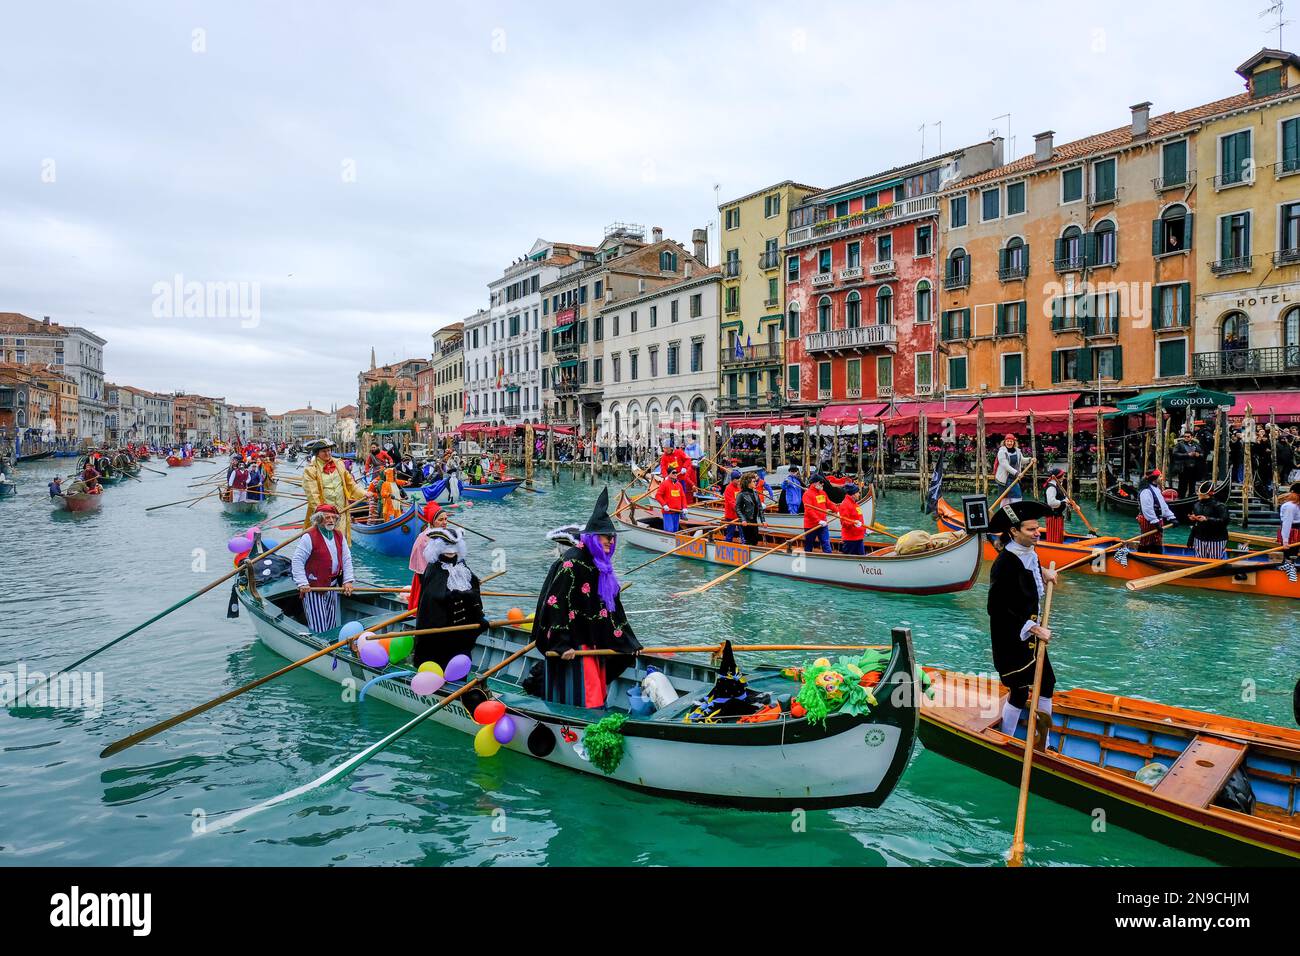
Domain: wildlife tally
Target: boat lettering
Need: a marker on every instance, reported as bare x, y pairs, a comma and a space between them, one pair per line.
870, 569
731, 554
696, 549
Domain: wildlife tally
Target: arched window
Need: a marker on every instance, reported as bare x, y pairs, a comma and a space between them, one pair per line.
853, 313
792, 322
923, 301
1069, 249
1015, 260
1173, 231
1105, 248
824, 314
1235, 332
957, 271
884, 306
699, 407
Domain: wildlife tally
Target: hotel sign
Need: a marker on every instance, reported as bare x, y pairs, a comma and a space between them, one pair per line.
565, 316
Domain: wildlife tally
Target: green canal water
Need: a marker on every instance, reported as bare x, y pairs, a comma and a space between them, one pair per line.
70, 583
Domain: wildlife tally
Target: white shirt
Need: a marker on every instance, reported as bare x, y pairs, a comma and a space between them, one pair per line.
1290, 515
303, 552
1054, 497
1029, 558
1007, 468
1149, 496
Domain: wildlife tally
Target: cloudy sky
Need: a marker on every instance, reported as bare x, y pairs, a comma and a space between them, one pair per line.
366, 168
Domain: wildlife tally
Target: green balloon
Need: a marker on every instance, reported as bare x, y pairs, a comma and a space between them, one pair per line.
400, 648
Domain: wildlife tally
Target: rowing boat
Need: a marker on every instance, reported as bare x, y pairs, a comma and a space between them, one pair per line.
8, 489
1099, 743
78, 502
482, 491
850, 760
394, 537
949, 568
710, 509
1264, 576
248, 507
174, 462
1123, 498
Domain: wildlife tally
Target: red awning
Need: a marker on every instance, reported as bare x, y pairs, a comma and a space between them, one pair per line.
1038, 404
848, 414
759, 423
1284, 405
907, 416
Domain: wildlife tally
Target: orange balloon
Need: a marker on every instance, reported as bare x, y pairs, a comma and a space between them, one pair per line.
514, 614
385, 641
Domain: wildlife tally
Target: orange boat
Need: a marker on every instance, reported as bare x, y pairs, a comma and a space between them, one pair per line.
174, 462
1100, 742
1250, 575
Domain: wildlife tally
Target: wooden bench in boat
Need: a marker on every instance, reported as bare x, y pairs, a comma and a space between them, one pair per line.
1201, 772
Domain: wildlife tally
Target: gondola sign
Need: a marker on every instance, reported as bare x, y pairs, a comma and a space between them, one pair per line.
731, 554
697, 548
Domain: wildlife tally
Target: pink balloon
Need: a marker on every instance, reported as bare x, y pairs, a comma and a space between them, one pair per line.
239, 545
504, 729
426, 682
458, 667
251, 532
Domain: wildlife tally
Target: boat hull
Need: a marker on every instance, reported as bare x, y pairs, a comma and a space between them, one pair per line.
393, 537
174, 462
1127, 503
8, 489
487, 491
78, 503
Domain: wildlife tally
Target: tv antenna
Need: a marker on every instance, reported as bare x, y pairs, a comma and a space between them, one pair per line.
1277, 10
939, 126
1011, 143
922, 131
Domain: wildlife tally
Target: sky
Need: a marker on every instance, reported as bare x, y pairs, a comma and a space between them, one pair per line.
330, 177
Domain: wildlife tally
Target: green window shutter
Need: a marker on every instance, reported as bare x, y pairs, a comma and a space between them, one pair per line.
1056, 367
1090, 248
1024, 251
1156, 244
1291, 144
945, 326
1001, 317
1060, 250
1188, 234
1058, 314
1225, 237
1185, 304
1002, 259
1085, 364
545, 335
1117, 362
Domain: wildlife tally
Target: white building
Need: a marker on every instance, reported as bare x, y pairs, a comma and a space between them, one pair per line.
661, 355
83, 359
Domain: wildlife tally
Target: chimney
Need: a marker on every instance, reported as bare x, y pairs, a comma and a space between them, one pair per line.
656, 234
700, 240
45, 321
1043, 146
1141, 116
997, 151
688, 268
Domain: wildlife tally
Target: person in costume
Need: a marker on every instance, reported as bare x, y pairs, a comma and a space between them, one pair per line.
816, 509
1153, 514
324, 482
749, 509
579, 608
1057, 507
1186, 462
434, 517
764, 493
322, 559
256, 482
671, 498
449, 595
390, 493
1017, 583
731, 531
1209, 521
1289, 532
1010, 462
853, 529
792, 491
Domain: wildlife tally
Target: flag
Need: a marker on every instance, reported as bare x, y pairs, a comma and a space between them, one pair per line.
739, 352
935, 490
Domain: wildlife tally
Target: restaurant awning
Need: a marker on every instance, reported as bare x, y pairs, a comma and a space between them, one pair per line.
1173, 399
1051, 402
848, 414
906, 417
568, 363
1284, 405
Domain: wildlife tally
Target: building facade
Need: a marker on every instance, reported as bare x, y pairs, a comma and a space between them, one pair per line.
402, 377
447, 375
751, 331
69, 350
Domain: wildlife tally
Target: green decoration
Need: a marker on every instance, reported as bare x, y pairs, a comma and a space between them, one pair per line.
603, 741
836, 688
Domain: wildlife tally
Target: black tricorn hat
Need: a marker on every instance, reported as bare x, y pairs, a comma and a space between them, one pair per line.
599, 522
1011, 513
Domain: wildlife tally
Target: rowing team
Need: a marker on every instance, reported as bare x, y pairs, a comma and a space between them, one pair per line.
1209, 519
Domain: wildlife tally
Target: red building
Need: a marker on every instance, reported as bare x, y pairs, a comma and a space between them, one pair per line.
862, 282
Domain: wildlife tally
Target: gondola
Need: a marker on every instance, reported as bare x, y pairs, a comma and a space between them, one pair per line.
481, 491
393, 536
36, 456
1122, 497
1100, 742
77, 502
785, 762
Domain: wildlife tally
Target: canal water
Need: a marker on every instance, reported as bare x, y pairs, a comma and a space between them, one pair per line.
70, 583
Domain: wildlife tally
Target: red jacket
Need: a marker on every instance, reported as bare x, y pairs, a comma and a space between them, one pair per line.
816, 507
670, 495
852, 527
729, 501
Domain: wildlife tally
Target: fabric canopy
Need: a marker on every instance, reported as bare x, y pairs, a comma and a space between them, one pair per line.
907, 417
1173, 399
848, 414
1052, 402
1284, 405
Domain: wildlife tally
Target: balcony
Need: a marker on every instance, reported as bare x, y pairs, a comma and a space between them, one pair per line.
566, 387
769, 260
1013, 273
852, 272
883, 268
731, 269
925, 389
1236, 363
1235, 178
823, 394
1286, 257
752, 403
823, 279
958, 280
884, 391
732, 308
1223, 267
765, 353
852, 392
1068, 263
1103, 197
770, 303
1287, 167
849, 340
565, 348
1176, 181
895, 212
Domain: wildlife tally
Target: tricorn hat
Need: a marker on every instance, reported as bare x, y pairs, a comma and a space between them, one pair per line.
316, 444
1012, 513
599, 522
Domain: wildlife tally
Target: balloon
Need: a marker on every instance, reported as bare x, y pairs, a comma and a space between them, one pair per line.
426, 682
249, 534
514, 614
270, 543
458, 667
239, 545
485, 745
433, 666
350, 630
504, 729
489, 712
373, 654
367, 636
400, 648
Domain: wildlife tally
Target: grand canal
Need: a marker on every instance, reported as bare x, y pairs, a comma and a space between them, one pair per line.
70, 583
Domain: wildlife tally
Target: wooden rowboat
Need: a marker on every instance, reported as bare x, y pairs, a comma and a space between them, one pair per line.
951, 568
8, 489
1250, 575
392, 537
851, 760
482, 491
1122, 497
78, 502
1100, 741
252, 506
710, 509
174, 462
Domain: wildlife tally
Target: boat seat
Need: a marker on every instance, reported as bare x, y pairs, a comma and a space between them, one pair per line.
1202, 770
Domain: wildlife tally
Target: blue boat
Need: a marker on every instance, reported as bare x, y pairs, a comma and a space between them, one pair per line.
393, 537
486, 491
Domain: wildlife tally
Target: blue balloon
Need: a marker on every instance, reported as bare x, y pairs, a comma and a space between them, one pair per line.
350, 630
269, 543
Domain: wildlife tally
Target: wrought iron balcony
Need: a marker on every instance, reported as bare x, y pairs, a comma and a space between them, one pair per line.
1223, 267
1237, 177
1233, 363
1013, 272
1102, 197
894, 212
565, 387
770, 303
957, 280
731, 269
1287, 167
764, 353
1286, 257
841, 340
1176, 181
1068, 263
750, 403
769, 260
732, 308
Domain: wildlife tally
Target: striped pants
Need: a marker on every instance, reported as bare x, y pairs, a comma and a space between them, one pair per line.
1217, 550
322, 609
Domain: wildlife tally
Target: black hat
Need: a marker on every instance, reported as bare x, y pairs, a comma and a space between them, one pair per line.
599, 522
1012, 513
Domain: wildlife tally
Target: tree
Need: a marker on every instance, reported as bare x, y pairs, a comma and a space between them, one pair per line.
380, 400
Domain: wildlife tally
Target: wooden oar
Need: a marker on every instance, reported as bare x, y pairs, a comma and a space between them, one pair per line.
460, 627
994, 507
717, 649
1018, 838
471, 530
513, 594
358, 759
1240, 537
154, 470
783, 543
685, 544
879, 530
1141, 584
214, 491
1086, 523
1109, 548
181, 502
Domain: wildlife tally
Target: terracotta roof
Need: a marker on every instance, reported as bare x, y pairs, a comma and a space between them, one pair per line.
17, 322
347, 411
1158, 126
884, 174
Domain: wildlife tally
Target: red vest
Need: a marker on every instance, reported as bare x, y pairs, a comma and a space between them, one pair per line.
318, 566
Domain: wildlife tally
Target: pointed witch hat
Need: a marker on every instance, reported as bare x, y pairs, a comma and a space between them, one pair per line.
599, 522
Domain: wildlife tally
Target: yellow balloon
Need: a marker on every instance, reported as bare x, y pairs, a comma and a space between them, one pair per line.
485, 744
821, 662
432, 666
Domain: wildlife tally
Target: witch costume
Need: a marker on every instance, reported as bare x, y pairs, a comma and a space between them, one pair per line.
449, 596
579, 609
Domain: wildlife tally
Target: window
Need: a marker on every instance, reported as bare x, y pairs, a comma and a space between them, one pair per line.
792, 378
546, 334
1103, 180
824, 314
1171, 306
1069, 250
924, 372
771, 292
772, 206
1103, 251
853, 311
672, 310
956, 212
1234, 159
582, 297
1107, 363
733, 300
632, 361
990, 204
854, 255
1235, 331
1266, 82
885, 248
632, 318
1012, 364
1172, 232
958, 271
824, 261
792, 322
697, 355
884, 374
697, 305
1102, 314
823, 377
1013, 261
614, 333
1065, 365
1289, 138
599, 330
617, 364
674, 352
654, 316
792, 268
923, 296
1072, 185
853, 377
1011, 318
596, 369
957, 372
1234, 238
1289, 223
1015, 199
667, 261
733, 218
600, 288
924, 238
841, 208
884, 306
1171, 359
1173, 164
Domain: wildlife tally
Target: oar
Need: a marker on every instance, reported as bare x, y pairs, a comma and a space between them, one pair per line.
238, 569
1086, 523
879, 530
1240, 537
1018, 839
685, 544
460, 627
181, 502
516, 594
1109, 548
214, 491
154, 470
717, 649
1141, 584
1015, 481
783, 543
358, 759
471, 530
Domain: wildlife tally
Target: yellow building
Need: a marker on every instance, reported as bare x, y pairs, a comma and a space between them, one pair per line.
1247, 230
448, 373
751, 332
